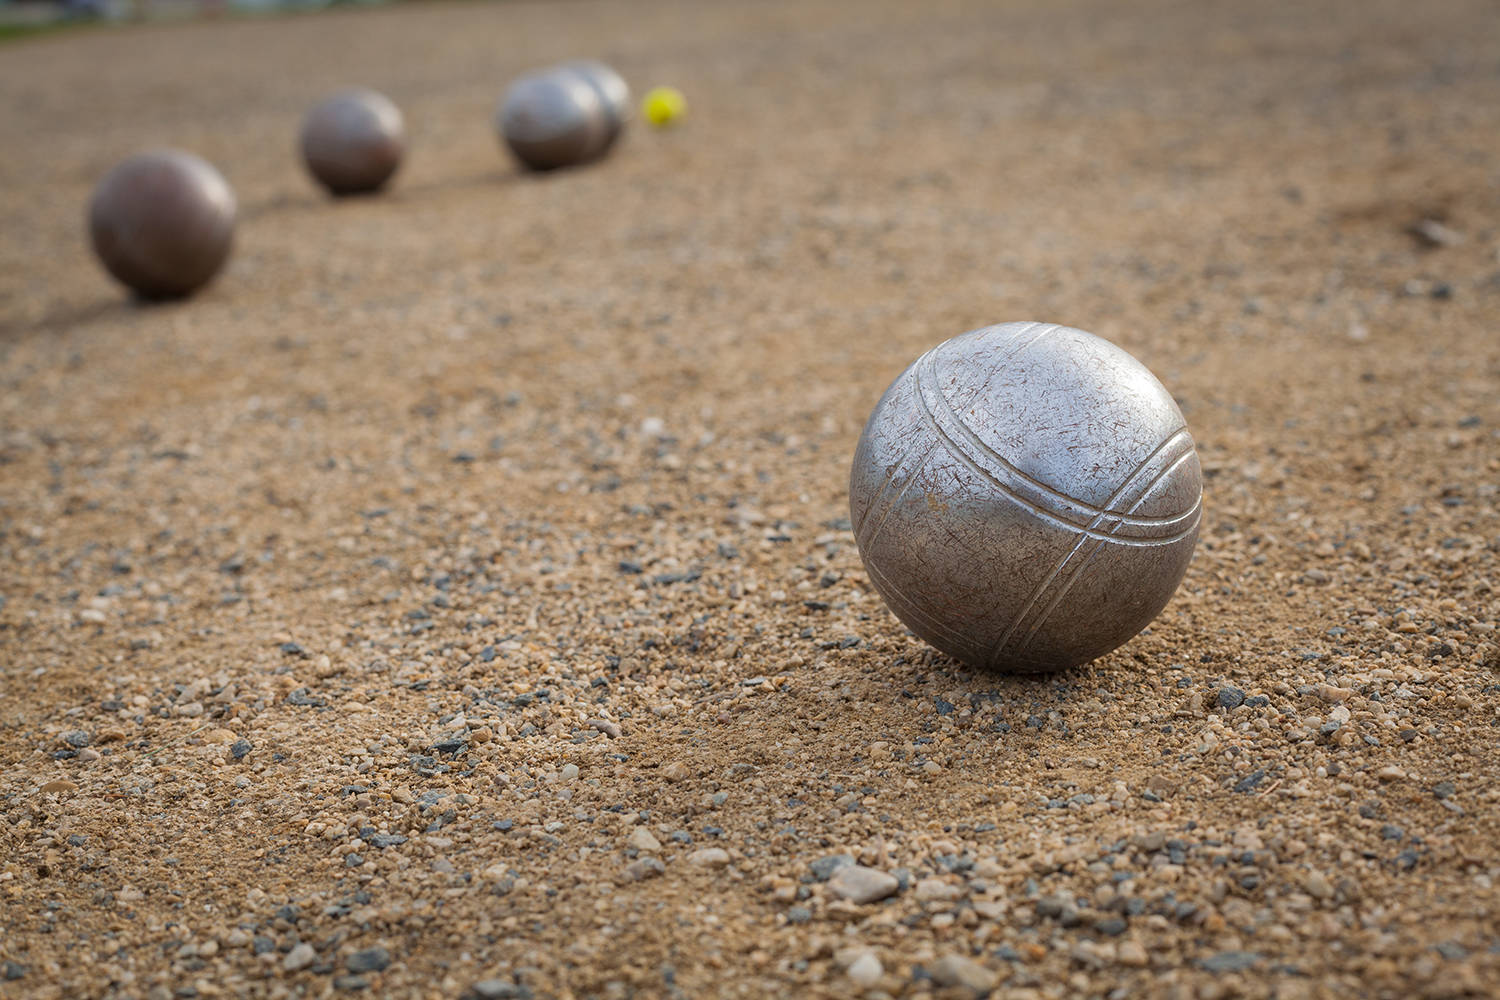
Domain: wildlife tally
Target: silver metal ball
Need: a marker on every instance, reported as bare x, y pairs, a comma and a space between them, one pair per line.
612, 89
353, 141
1026, 497
553, 119
162, 222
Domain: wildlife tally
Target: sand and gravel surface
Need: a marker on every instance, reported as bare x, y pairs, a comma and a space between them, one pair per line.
458, 599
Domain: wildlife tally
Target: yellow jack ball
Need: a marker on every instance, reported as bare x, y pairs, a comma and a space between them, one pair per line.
662, 106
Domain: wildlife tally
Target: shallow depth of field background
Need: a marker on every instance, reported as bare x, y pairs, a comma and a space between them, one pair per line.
457, 597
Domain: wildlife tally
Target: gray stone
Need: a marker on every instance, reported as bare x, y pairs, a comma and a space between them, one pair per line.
369, 960
1230, 961
643, 868
865, 971
956, 970
859, 884
299, 957
823, 868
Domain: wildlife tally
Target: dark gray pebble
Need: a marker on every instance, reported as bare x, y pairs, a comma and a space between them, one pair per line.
1112, 926
823, 868
1231, 697
1230, 961
368, 960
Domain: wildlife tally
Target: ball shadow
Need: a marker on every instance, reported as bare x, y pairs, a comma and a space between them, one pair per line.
314, 197
62, 318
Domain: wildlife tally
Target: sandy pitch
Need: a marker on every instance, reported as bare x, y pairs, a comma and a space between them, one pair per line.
461, 591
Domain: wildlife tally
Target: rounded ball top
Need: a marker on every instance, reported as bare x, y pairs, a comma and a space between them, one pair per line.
613, 91
162, 222
553, 119
353, 141
1026, 496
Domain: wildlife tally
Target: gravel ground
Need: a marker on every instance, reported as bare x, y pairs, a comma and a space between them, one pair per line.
458, 599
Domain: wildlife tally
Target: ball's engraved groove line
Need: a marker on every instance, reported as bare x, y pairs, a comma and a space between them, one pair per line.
913, 377
1044, 513
889, 476
892, 592
1078, 573
1047, 612
914, 608
1072, 576
1177, 438
1042, 330
864, 543
928, 383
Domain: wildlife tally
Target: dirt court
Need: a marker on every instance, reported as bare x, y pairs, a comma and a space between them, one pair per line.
457, 598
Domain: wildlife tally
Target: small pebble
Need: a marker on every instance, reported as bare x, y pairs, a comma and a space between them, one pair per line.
709, 857
1231, 697
823, 868
935, 889
369, 960
865, 971
959, 970
642, 839
299, 957
859, 884
643, 868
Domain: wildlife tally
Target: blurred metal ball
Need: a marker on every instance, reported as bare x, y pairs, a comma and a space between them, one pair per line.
353, 141
612, 89
162, 222
553, 119
1026, 497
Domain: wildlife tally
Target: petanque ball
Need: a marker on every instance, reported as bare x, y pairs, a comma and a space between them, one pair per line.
353, 141
1026, 497
162, 222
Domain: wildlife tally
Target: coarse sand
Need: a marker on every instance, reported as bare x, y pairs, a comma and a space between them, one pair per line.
457, 597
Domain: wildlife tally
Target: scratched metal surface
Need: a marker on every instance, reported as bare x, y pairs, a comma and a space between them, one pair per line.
1026, 497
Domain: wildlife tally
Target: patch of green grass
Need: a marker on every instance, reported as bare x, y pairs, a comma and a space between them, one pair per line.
22, 31
19, 32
